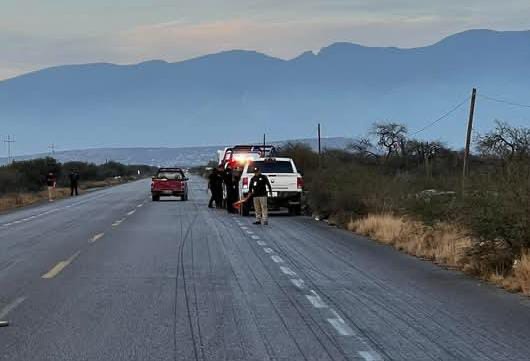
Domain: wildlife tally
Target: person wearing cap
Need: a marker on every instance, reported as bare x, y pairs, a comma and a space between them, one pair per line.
258, 190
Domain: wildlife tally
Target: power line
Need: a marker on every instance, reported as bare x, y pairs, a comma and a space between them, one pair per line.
455, 108
503, 101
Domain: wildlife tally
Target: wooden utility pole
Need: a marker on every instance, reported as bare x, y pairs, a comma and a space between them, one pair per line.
319, 147
9, 141
465, 170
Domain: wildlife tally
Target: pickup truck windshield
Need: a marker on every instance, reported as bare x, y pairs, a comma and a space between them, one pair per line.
282, 166
170, 175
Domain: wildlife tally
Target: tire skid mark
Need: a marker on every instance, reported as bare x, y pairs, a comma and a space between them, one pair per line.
181, 270
365, 339
386, 306
302, 314
266, 343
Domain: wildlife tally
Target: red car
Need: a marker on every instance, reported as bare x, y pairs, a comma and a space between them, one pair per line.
169, 182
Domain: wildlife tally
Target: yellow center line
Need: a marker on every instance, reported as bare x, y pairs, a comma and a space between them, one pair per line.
60, 266
96, 237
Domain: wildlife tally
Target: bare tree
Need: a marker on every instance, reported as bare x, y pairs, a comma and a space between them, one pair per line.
364, 147
505, 142
391, 137
425, 151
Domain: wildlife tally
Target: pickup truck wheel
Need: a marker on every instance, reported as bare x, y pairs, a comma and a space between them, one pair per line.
295, 210
184, 197
155, 198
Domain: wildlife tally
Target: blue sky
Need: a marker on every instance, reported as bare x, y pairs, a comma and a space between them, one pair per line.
40, 33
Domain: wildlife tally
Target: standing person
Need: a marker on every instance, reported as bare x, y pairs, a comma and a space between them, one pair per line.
215, 185
229, 186
74, 182
236, 177
258, 190
51, 182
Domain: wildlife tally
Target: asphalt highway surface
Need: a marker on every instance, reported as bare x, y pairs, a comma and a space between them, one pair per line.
110, 275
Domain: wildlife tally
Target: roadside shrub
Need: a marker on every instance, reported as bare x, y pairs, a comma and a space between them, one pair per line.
30, 175
522, 272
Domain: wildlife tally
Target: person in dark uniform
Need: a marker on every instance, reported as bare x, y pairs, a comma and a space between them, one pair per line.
74, 182
229, 186
215, 185
258, 190
236, 177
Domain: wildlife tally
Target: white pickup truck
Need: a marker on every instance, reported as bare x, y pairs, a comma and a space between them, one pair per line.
286, 184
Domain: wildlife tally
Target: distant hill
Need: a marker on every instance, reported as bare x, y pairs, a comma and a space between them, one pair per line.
189, 156
236, 96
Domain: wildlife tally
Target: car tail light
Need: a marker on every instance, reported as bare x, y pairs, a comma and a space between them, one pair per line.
300, 182
245, 182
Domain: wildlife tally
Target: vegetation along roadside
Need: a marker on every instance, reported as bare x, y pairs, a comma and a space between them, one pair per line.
24, 183
409, 193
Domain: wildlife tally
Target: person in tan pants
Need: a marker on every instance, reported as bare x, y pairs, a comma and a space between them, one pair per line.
258, 190
51, 182
262, 211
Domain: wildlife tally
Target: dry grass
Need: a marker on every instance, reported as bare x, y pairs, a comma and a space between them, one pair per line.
17, 200
521, 273
443, 243
14, 200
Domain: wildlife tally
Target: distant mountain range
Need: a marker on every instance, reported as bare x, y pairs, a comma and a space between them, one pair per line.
188, 156
236, 96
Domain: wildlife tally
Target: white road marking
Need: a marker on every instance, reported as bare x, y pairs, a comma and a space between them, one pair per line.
341, 327
316, 300
140, 205
370, 356
96, 237
117, 223
131, 212
277, 259
287, 271
254, 237
298, 283
249, 232
244, 227
10, 307
268, 250
261, 243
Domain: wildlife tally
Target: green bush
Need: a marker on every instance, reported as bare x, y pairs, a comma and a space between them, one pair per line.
30, 175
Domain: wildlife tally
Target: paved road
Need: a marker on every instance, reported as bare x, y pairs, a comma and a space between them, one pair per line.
113, 276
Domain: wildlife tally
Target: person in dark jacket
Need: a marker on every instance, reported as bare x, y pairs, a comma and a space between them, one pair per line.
258, 190
229, 186
215, 185
74, 182
231, 180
